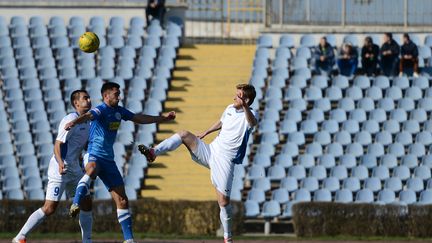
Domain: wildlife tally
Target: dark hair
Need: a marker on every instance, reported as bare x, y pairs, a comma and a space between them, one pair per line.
369, 40
109, 85
249, 91
389, 35
406, 36
75, 95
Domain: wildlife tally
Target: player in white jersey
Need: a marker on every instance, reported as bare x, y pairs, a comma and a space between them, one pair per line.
221, 155
64, 171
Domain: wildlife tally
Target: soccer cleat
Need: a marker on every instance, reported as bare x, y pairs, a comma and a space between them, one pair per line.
74, 210
15, 240
147, 152
129, 241
228, 240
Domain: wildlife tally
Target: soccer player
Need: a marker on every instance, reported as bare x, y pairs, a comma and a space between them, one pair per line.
64, 171
106, 120
226, 150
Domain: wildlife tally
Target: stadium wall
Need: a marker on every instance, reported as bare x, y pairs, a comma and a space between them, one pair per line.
149, 215
317, 219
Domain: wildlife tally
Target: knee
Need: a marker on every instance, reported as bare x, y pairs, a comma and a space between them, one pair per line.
224, 201
48, 209
184, 134
123, 202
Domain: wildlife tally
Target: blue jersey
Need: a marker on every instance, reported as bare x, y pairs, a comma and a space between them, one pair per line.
103, 129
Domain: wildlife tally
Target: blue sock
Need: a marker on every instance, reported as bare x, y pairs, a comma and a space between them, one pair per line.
125, 221
82, 189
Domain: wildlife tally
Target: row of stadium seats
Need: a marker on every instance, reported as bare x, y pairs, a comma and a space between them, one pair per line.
41, 65
342, 139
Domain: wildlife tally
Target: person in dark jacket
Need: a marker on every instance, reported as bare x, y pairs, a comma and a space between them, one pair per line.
155, 8
348, 60
369, 56
324, 56
409, 57
389, 55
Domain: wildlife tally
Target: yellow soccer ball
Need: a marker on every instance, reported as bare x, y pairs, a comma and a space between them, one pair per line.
88, 42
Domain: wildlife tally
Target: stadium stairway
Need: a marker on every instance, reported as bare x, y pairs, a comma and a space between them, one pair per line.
202, 86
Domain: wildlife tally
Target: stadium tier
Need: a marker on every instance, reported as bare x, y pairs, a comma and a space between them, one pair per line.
40, 66
334, 138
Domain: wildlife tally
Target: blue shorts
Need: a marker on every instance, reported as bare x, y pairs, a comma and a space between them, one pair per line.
108, 172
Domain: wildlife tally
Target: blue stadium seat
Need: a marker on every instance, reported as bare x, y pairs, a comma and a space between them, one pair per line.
360, 171
339, 172
386, 196
251, 209
284, 160
425, 197
256, 195
364, 196
402, 172
322, 195
302, 195
289, 183
343, 196
297, 171
271, 209
352, 184
393, 183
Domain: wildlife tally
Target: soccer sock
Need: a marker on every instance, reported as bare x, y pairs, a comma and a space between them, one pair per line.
34, 220
168, 144
82, 189
85, 221
125, 221
226, 219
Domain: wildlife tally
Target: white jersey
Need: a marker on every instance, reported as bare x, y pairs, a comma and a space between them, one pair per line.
74, 141
232, 138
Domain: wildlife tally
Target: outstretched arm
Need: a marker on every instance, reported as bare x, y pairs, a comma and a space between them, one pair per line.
81, 119
147, 119
213, 128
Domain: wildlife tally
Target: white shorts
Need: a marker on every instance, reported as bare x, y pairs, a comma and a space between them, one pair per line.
57, 183
221, 167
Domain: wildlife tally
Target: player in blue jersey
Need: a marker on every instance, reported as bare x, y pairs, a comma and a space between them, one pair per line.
106, 120
220, 156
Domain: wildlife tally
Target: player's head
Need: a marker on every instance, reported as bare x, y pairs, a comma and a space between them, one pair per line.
368, 41
388, 37
323, 41
111, 93
246, 91
406, 38
80, 100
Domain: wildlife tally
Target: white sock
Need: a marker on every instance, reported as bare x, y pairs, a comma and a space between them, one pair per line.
86, 221
168, 144
34, 220
226, 219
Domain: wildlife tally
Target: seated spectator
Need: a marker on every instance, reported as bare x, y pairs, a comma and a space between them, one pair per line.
409, 57
324, 57
389, 55
369, 56
155, 8
348, 59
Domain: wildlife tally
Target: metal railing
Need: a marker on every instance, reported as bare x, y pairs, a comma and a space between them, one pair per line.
350, 12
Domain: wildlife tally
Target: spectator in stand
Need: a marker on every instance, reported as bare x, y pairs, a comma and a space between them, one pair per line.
369, 57
409, 57
389, 55
324, 57
348, 60
155, 8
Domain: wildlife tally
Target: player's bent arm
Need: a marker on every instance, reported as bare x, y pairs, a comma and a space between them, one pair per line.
215, 127
147, 119
81, 119
249, 116
57, 154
